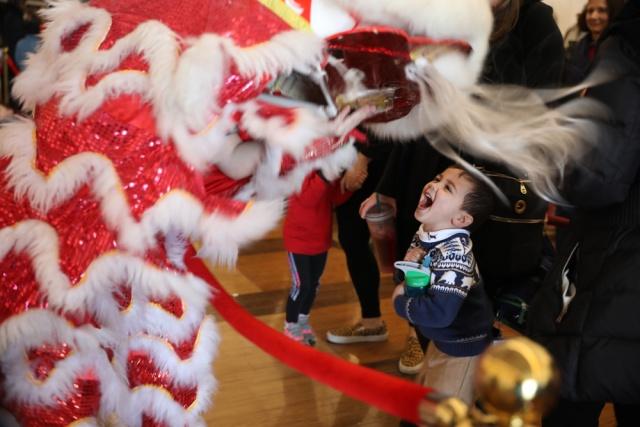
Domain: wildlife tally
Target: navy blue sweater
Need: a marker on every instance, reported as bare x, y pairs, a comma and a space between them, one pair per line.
455, 313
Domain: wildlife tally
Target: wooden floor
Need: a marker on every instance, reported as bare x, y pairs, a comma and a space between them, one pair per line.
256, 390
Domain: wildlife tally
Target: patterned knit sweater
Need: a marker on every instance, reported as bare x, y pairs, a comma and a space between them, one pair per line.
455, 313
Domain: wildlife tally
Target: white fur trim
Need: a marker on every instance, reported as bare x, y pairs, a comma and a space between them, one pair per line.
184, 372
157, 401
182, 87
242, 159
410, 126
175, 246
307, 126
508, 125
32, 329
267, 183
328, 18
102, 278
20, 333
178, 211
224, 238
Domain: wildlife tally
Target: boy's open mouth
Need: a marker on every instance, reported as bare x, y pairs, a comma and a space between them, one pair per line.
426, 200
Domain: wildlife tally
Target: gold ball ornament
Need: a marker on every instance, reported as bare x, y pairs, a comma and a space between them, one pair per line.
517, 382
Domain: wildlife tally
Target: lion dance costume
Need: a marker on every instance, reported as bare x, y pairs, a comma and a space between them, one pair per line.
156, 123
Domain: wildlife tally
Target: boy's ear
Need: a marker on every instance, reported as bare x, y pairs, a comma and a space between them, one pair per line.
462, 220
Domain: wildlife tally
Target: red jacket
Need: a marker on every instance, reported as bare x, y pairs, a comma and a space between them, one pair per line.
309, 220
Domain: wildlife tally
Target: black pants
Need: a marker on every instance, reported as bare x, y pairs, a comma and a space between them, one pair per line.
305, 272
586, 414
353, 235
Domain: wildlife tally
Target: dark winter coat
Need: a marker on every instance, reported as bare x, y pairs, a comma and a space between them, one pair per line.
532, 54
578, 60
597, 342
509, 246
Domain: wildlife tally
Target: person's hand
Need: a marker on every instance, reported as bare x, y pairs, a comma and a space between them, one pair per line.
372, 200
399, 290
415, 254
355, 176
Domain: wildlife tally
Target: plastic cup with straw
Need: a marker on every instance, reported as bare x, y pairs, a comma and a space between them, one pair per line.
383, 233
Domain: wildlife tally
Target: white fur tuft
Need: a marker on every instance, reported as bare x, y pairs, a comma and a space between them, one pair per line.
506, 125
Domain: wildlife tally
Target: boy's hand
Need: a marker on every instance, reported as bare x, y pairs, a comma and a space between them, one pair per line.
399, 290
415, 254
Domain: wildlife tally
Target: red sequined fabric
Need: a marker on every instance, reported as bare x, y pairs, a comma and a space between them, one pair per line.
12, 211
82, 233
123, 297
141, 370
83, 403
247, 22
19, 290
123, 159
146, 167
172, 305
44, 358
184, 350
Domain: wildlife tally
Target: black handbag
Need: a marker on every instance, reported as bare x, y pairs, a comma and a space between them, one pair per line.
509, 247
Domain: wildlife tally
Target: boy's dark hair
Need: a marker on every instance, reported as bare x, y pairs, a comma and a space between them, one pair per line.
479, 202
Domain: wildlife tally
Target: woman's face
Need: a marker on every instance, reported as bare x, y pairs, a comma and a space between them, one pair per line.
597, 17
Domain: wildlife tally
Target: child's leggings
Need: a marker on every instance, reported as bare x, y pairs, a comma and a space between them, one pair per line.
305, 272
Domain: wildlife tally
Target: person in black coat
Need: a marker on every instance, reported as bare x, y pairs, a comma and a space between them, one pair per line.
509, 246
593, 20
587, 312
526, 45
353, 234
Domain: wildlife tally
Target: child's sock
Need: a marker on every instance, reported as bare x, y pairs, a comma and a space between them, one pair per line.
307, 332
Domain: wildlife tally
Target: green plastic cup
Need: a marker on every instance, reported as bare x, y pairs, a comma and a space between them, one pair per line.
415, 283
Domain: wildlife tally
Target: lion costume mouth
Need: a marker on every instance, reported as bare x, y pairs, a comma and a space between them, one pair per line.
369, 68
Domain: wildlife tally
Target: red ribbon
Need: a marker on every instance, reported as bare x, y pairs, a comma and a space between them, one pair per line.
392, 395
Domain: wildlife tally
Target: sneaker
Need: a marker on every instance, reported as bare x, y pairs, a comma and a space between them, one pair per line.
308, 336
411, 358
293, 331
357, 333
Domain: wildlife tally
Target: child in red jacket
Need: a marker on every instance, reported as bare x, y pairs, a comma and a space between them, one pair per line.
307, 239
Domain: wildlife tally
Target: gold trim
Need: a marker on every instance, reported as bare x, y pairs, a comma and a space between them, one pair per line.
515, 221
502, 175
520, 206
214, 121
284, 12
80, 421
